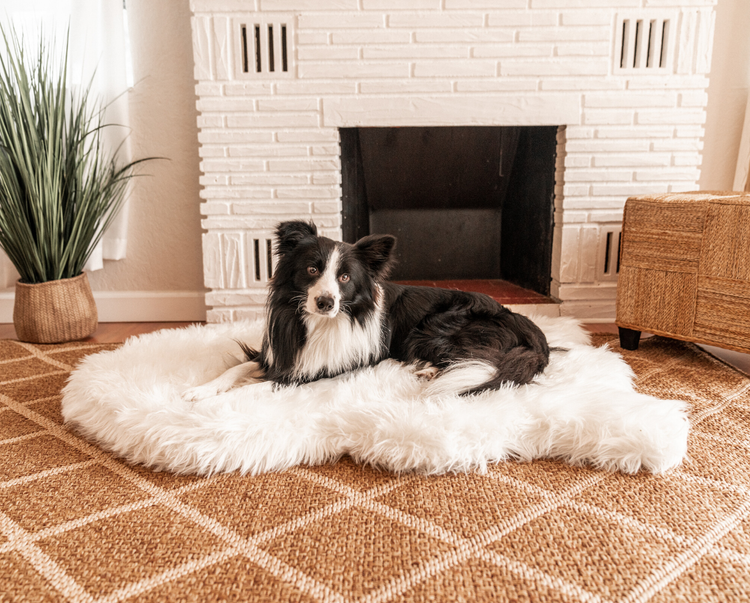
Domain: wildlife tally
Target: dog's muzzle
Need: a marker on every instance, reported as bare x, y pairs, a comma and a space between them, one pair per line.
324, 304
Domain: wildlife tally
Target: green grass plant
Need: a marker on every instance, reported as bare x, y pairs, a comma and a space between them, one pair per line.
59, 186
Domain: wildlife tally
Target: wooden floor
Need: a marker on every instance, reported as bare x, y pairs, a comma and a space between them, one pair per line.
117, 332
110, 332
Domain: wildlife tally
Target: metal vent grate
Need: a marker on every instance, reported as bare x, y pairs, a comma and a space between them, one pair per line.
609, 252
264, 48
644, 44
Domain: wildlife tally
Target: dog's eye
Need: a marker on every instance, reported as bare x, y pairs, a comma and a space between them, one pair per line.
312, 270
344, 278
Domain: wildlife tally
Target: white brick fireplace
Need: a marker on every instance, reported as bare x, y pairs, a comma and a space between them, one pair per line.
624, 80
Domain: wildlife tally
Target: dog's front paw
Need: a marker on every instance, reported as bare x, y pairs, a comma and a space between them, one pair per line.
428, 373
201, 392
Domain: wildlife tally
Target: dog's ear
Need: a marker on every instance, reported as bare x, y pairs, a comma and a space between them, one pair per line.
375, 252
289, 234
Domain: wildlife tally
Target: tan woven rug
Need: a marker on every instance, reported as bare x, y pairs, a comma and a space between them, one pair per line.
76, 524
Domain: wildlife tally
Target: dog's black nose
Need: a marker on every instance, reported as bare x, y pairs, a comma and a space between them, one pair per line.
324, 303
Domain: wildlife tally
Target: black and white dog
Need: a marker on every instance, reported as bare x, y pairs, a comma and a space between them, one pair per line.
330, 310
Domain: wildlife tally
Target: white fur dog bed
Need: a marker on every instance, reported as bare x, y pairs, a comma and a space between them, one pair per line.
583, 409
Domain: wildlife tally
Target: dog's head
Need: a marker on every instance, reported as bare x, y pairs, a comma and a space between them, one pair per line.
325, 276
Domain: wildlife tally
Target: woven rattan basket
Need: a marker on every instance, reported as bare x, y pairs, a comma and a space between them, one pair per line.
55, 311
685, 269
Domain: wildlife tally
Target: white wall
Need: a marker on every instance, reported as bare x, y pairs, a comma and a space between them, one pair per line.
727, 94
163, 271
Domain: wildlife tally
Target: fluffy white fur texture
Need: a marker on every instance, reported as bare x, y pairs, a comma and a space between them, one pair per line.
583, 409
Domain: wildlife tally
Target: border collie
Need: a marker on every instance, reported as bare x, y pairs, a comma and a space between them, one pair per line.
330, 310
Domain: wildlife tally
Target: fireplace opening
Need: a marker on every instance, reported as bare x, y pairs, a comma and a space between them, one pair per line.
468, 202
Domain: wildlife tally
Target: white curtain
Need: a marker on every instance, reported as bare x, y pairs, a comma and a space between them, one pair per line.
98, 46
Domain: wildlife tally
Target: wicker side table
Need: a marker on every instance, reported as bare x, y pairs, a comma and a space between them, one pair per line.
685, 269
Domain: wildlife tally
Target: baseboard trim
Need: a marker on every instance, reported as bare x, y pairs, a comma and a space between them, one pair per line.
133, 306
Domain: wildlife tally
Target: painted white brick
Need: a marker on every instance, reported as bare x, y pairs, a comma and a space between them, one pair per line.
677, 144
598, 146
300, 5
235, 193
607, 117
635, 160
210, 121
275, 150
687, 159
508, 18
586, 17
513, 50
326, 178
288, 104
469, 68
560, 34
312, 37
317, 53
209, 89
406, 86
555, 67
449, 36
231, 165
371, 36
268, 179
578, 160
495, 85
684, 116
319, 192
326, 207
353, 70
479, 4
274, 209
269, 120
393, 62
580, 83
409, 51
630, 100
671, 175
302, 165
579, 175
582, 49
315, 88
425, 20
635, 132
587, 4
693, 99
248, 89
204, 6
576, 190
628, 190
224, 136
224, 105
322, 135
321, 150
205, 151
400, 4
214, 208
342, 21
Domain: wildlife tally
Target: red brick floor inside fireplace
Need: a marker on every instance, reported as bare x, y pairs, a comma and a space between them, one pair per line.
503, 291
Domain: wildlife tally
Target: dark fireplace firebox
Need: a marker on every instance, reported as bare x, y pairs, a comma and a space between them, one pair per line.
465, 202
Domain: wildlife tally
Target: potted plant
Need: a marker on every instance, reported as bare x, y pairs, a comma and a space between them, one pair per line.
59, 190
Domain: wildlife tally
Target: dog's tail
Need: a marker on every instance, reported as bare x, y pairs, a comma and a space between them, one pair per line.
517, 366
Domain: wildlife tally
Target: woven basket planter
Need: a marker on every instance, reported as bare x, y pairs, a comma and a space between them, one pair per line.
55, 311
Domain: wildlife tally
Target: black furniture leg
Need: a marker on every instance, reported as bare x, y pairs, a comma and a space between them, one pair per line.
629, 338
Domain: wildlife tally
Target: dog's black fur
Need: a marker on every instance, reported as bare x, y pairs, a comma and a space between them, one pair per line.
420, 325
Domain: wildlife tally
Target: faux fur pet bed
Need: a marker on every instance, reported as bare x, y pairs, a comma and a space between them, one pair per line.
583, 409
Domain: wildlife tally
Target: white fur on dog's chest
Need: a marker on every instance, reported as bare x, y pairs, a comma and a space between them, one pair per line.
339, 344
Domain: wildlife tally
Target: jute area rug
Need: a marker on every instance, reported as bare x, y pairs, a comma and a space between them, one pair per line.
77, 524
